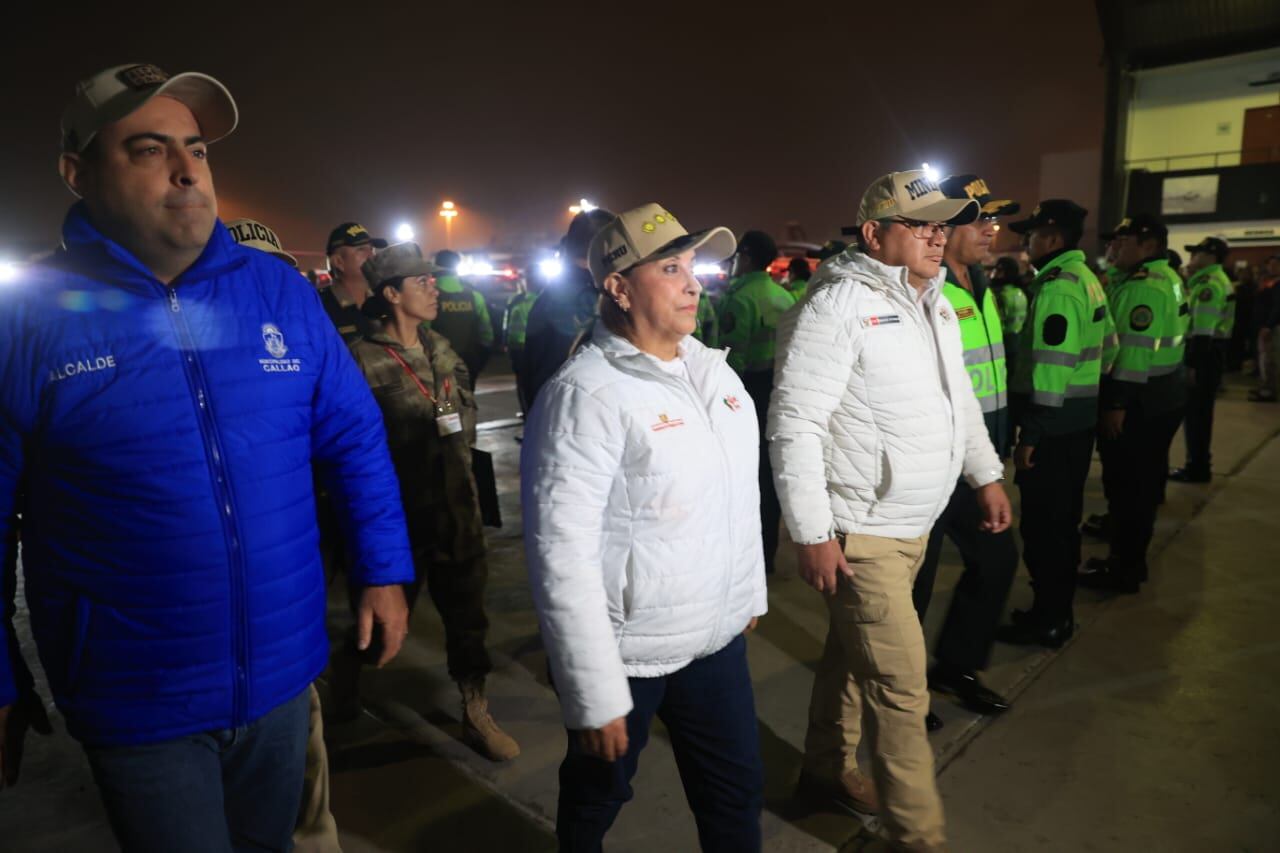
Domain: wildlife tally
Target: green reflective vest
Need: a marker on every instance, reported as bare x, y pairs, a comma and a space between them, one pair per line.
463, 317
708, 330
1013, 308
749, 313
1212, 301
517, 320
798, 287
1151, 316
1064, 346
982, 341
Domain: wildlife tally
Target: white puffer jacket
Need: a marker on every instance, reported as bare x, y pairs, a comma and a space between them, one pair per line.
871, 423
641, 519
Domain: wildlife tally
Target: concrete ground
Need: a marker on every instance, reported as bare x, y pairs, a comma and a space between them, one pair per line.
1155, 728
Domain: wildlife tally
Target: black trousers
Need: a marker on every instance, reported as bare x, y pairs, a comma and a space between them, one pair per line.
1140, 456
1198, 430
759, 385
990, 562
1052, 495
456, 586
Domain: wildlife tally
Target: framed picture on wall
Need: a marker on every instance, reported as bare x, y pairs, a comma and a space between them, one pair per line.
1189, 194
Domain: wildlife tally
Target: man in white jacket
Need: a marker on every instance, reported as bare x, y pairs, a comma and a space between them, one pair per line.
872, 420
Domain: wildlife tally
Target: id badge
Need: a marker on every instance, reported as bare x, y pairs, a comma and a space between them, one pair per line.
449, 424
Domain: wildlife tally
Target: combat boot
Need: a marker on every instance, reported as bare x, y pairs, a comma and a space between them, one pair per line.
478, 728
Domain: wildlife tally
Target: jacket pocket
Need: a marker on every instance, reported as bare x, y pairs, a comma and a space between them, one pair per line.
79, 640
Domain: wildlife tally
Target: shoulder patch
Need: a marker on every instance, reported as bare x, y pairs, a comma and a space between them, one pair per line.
1140, 318
1206, 295
1055, 329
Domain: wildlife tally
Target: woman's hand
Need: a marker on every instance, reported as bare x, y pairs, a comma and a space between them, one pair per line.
609, 742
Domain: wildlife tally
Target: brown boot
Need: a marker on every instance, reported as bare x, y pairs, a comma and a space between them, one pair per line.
852, 791
478, 728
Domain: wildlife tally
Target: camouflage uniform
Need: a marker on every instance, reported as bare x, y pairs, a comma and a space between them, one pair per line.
436, 486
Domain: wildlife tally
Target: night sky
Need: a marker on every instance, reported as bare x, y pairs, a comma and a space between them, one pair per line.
724, 113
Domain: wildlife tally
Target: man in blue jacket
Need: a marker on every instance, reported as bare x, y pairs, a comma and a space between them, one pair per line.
163, 394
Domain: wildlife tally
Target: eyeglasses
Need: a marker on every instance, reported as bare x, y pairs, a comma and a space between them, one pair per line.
920, 230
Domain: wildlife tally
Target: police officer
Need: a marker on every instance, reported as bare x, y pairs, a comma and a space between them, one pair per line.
1142, 399
990, 559
1066, 345
1212, 302
749, 313
348, 247
565, 312
798, 278
515, 325
420, 385
464, 316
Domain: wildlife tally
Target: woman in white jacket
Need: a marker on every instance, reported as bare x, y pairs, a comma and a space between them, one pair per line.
642, 532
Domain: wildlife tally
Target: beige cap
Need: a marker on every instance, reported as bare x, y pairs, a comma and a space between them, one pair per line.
112, 94
649, 232
255, 235
912, 195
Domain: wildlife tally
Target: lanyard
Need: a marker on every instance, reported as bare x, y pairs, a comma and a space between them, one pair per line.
416, 381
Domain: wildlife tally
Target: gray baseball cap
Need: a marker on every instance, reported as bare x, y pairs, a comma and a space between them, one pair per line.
112, 94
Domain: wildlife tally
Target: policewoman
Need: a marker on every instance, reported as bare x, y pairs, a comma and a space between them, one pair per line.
421, 384
642, 532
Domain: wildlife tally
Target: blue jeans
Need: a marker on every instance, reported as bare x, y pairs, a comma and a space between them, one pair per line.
709, 710
212, 792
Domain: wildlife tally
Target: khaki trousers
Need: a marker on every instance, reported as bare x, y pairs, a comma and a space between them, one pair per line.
875, 662
316, 831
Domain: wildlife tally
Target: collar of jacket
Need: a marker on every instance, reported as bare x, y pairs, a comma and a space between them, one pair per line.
88, 252
892, 281
750, 278
434, 344
1058, 260
618, 349
449, 284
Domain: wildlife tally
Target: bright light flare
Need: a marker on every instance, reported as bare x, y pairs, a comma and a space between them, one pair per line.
9, 271
583, 206
931, 173
551, 268
708, 269
404, 232
474, 266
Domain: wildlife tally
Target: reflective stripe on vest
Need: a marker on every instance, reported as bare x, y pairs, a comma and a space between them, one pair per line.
982, 339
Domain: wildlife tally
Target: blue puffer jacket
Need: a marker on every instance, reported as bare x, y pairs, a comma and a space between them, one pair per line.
163, 437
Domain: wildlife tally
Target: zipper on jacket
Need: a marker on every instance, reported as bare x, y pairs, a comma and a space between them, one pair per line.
226, 512
704, 411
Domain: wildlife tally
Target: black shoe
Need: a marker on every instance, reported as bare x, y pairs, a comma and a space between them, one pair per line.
1094, 566
1189, 475
932, 722
1097, 526
966, 687
1033, 632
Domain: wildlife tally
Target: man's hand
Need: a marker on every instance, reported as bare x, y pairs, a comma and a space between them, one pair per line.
1112, 423
386, 606
1022, 457
819, 565
751, 626
609, 742
997, 514
26, 713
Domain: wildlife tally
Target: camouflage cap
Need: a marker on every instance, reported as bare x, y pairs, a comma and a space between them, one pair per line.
110, 95
647, 233
401, 260
255, 235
